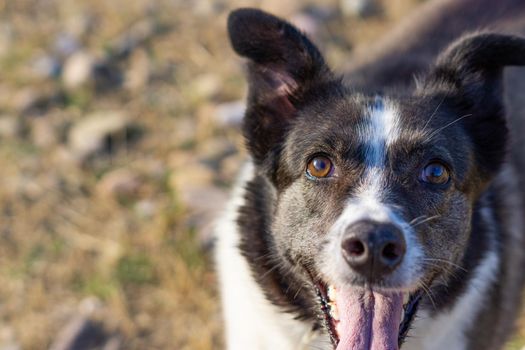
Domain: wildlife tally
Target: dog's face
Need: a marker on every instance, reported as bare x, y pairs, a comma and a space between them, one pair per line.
374, 193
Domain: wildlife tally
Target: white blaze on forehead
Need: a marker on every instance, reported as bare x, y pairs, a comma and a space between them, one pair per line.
381, 130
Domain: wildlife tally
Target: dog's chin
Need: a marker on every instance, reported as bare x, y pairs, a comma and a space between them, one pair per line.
367, 318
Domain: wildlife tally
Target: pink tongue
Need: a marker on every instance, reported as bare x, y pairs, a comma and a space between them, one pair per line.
368, 320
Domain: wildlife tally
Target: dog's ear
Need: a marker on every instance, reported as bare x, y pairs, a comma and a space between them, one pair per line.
283, 67
469, 73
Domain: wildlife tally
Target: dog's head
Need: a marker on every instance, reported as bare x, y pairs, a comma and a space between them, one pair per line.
374, 193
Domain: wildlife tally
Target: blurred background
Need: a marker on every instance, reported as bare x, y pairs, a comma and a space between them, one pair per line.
119, 140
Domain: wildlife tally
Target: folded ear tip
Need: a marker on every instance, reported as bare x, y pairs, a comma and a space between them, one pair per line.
245, 19
238, 22
253, 31
237, 17
247, 13
269, 41
485, 50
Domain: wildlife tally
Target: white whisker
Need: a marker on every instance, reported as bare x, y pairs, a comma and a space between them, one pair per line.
446, 126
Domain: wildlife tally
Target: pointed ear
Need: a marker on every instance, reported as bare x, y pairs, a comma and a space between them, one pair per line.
283, 68
469, 73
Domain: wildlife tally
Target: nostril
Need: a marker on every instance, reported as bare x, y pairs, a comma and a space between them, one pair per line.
391, 252
354, 247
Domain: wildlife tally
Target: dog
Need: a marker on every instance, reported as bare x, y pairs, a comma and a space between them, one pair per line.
376, 213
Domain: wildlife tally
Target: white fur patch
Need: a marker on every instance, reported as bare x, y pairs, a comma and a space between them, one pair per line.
381, 131
251, 321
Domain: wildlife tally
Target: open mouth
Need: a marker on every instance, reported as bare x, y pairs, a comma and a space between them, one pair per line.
366, 319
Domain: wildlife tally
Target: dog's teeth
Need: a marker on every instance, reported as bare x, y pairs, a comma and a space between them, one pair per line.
406, 298
332, 293
338, 328
333, 311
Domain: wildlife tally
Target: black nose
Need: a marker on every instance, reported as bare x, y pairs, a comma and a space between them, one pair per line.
373, 249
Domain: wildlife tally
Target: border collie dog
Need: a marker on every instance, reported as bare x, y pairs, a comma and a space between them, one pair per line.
373, 217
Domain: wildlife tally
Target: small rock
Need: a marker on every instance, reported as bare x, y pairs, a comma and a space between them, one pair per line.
205, 86
205, 122
203, 8
89, 135
133, 37
8, 339
43, 133
321, 13
24, 98
80, 24
35, 102
79, 334
13, 346
213, 150
139, 71
284, 8
306, 23
78, 69
204, 205
114, 343
89, 305
185, 131
360, 8
145, 208
9, 126
120, 184
230, 166
61, 155
203, 200
107, 76
230, 113
189, 173
7, 334
143, 320
6, 38
192, 181
46, 66
66, 44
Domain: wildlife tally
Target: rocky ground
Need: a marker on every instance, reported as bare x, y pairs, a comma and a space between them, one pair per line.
118, 142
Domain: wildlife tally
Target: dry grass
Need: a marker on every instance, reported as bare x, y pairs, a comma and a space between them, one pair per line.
68, 240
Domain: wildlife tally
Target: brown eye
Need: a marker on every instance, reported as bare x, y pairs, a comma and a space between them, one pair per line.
435, 173
319, 167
